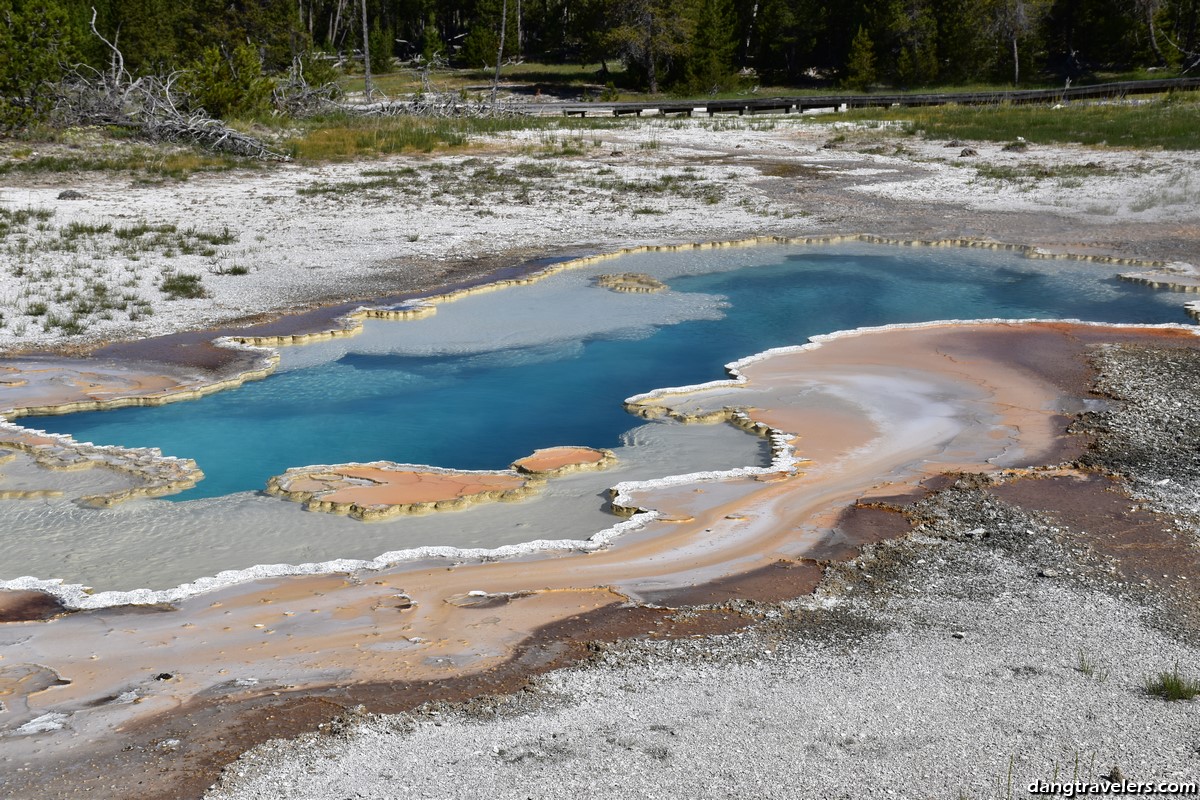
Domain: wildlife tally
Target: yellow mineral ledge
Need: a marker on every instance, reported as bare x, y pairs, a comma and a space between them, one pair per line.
554, 461
382, 489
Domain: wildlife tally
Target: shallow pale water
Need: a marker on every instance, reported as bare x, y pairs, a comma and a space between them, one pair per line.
494, 376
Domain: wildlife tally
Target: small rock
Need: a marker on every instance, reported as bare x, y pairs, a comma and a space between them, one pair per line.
1115, 776
70, 194
616, 154
968, 152
1047, 572
958, 635
46, 723
1016, 147
829, 146
163, 676
953, 143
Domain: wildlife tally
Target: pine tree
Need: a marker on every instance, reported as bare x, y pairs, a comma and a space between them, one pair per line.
965, 51
383, 43
36, 44
652, 36
710, 60
860, 67
431, 40
228, 86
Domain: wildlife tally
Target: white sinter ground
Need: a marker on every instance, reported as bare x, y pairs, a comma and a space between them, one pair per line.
94, 269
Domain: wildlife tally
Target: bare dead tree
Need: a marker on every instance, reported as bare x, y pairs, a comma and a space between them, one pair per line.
500, 51
1014, 20
1191, 58
150, 105
366, 39
1149, 10
336, 23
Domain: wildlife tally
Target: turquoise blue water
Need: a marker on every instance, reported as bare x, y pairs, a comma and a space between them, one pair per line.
482, 410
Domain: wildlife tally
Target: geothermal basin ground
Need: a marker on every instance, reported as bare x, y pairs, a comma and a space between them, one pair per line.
952, 636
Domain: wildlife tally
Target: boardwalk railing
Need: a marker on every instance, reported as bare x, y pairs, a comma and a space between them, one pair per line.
802, 103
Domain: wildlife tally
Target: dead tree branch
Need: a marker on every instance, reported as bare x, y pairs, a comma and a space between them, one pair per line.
296, 97
149, 105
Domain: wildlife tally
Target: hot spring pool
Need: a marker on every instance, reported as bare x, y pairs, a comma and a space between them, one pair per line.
494, 376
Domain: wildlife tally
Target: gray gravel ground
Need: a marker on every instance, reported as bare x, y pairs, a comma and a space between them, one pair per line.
925, 680
1151, 435
943, 665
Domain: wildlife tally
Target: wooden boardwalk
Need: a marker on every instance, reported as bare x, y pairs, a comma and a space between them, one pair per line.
802, 103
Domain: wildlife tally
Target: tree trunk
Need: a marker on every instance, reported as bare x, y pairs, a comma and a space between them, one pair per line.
1162, 62
500, 52
1016, 63
337, 23
366, 37
520, 33
651, 69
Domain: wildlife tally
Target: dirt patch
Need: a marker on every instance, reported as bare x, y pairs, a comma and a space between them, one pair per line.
18, 606
1145, 548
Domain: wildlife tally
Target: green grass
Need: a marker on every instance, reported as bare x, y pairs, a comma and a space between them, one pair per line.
142, 162
16, 220
1172, 685
223, 236
139, 229
1172, 123
586, 80
74, 230
407, 80
341, 138
1029, 173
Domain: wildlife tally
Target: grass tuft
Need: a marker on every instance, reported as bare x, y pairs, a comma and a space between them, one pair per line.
182, 286
232, 269
1172, 685
1088, 667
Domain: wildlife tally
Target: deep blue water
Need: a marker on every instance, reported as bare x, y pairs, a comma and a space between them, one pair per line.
483, 411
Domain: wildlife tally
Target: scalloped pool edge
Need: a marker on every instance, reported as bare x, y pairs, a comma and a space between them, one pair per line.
784, 459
